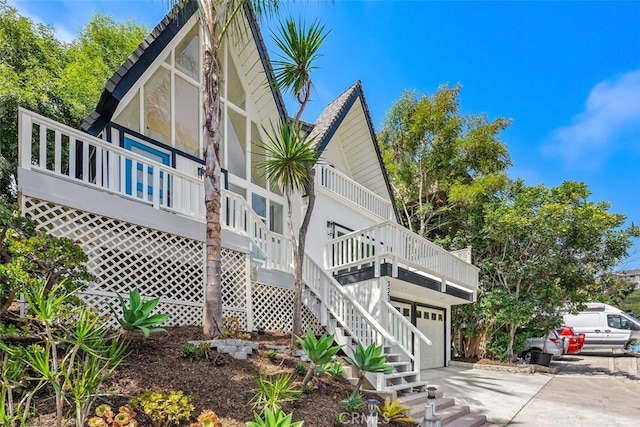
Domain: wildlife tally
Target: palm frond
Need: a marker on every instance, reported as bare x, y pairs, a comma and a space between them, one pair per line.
300, 48
288, 155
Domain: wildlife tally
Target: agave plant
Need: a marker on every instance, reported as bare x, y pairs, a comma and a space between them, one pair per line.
370, 359
137, 317
319, 351
277, 418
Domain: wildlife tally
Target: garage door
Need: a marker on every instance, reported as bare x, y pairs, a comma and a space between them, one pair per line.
431, 322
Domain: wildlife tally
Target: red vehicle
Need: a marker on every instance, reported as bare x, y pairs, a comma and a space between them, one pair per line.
576, 341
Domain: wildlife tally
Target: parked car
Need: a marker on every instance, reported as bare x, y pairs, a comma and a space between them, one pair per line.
555, 344
604, 326
575, 341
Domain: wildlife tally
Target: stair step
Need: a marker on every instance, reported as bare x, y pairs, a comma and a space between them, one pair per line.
417, 407
401, 368
469, 420
452, 413
406, 387
419, 398
401, 374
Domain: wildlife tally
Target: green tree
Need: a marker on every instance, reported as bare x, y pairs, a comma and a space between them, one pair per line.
439, 161
540, 248
291, 155
102, 46
59, 81
32, 60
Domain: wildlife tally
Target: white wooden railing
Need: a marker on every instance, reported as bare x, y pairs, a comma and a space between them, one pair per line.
401, 246
345, 187
408, 336
51, 147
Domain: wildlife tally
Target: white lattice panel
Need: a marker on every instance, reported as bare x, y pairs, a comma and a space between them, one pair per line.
273, 309
124, 256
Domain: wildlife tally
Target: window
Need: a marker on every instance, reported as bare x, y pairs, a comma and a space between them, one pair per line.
188, 55
275, 217
157, 106
614, 321
259, 205
187, 117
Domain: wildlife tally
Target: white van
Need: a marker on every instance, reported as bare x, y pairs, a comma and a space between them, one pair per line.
604, 326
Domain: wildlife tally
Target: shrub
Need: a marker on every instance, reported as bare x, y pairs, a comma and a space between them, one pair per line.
207, 418
301, 368
392, 411
190, 351
370, 359
106, 418
354, 402
137, 316
319, 351
164, 408
275, 418
75, 355
272, 355
273, 391
232, 329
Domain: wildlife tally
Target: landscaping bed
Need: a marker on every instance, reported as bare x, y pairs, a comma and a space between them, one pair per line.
156, 364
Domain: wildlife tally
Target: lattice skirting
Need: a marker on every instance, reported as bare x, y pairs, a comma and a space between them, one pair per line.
273, 309
124, 256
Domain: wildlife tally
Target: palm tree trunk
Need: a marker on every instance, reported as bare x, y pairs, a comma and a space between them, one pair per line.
212, 317
299, 253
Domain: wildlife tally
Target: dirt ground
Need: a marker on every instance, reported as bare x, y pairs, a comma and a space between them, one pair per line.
156, 364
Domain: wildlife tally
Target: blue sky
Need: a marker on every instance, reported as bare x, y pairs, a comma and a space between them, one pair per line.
567, 73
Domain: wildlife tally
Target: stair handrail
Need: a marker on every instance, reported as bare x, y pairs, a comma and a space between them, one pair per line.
315, 277
409, 337
274, 247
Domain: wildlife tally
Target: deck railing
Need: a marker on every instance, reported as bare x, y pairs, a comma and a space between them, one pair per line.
401, 246
343, 186
53, 148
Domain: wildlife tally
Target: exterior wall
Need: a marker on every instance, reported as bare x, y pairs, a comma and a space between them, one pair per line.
330, 209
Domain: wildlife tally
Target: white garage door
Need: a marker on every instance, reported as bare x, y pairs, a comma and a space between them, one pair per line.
431, 322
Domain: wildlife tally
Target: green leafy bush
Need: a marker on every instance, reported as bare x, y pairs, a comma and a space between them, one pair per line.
232, 329
275, 418
137, 317
272, 355
164, 408
272, 391
301, 368
73, 356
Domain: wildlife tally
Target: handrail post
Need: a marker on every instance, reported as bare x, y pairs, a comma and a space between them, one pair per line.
25, 124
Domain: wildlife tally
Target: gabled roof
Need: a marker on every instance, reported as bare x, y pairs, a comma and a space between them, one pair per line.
332, 116
147, 52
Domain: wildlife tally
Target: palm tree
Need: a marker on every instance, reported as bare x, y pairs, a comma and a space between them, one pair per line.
291, 156
216, 18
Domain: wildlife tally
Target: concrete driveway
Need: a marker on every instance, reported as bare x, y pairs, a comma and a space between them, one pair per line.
590, 389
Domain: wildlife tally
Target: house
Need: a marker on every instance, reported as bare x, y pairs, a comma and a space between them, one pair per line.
632, 276
128, 189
